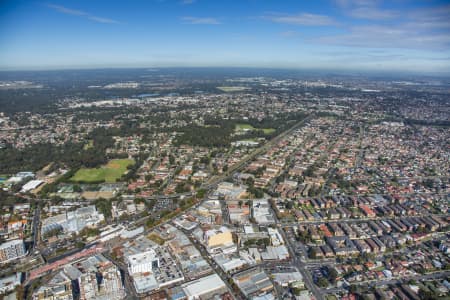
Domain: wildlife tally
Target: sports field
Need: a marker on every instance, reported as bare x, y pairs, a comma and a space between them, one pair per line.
245, 127
240, 127
268, 130
113, 170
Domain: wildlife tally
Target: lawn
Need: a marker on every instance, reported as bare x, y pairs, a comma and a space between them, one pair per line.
268, 130
108, 173
245, 127
241, 127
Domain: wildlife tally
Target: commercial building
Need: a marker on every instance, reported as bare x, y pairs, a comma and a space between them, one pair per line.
31, 185
142, 262
9, 283
253, 282
261, 212
73, 221
216, 239
59, 287
286, 279
94, 277
204, 288
12, 250
150, 266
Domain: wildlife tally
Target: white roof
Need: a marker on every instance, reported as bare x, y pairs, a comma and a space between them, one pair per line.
11, 243
233, 264
10, 280
288, 277
203, 286
31, 185
248, 229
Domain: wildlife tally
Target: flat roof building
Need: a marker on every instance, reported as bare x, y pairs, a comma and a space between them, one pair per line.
12, 250
204, 288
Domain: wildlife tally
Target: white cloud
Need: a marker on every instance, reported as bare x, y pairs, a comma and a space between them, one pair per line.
377, 36
372, 13
366, 9
347, 3
305, 19
431, 18
426, 28
203, 21
80, 13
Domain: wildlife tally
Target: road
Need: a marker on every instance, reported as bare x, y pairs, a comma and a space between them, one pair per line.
128, 284
392, 281
353, 220
36, 220
302, 267
212, 264
360, 156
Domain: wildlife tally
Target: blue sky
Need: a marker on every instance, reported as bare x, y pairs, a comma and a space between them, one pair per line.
395, 35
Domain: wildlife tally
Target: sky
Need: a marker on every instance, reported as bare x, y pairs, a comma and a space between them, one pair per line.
373, 35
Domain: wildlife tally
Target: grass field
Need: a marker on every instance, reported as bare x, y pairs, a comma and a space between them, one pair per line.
113, 170
245, 127
268, 130
228, 89
240, 127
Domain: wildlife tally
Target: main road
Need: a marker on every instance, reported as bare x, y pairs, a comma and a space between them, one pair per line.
301, 266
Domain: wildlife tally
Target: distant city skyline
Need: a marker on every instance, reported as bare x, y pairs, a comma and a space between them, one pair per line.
347, 35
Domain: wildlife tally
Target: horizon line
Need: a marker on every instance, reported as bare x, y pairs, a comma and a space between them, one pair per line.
280, 68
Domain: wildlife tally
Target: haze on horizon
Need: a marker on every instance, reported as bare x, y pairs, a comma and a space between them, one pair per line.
365, 35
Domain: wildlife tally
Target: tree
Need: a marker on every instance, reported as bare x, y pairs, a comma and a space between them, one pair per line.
353, 288
332, 275
104, 206
53, 232
181, 188
89, 232
205, 160
20, 292
150, 222
427, 294
201, 193
77, 188
258, 193
322, 282
80, 244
